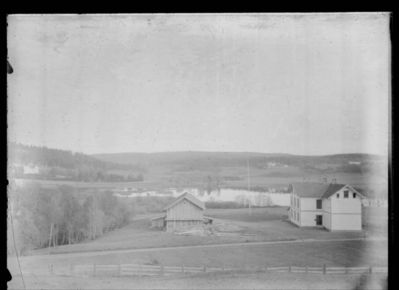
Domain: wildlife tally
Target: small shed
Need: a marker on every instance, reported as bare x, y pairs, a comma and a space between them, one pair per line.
184, 213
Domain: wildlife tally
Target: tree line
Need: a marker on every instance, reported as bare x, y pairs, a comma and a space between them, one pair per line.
58, 164
43, 217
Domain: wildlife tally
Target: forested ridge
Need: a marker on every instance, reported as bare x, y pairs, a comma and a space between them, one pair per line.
67, 165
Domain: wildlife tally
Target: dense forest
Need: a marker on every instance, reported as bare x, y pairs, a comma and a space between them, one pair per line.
55, 164
49, 217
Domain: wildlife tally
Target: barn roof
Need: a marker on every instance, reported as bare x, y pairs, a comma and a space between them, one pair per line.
190, 198
318, 190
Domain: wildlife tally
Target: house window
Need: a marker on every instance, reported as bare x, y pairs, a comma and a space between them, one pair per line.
346, 194
318, 203
354, 195
337, 195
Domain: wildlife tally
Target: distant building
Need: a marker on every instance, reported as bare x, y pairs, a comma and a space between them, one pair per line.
375, 202
376, 196
31, 169
185, 212
332, 206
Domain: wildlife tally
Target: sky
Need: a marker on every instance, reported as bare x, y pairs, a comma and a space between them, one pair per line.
309, 84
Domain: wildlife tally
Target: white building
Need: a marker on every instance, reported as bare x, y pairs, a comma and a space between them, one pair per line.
332, 206
31, 169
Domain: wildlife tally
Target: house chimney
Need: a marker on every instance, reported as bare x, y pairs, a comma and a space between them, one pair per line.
334, 181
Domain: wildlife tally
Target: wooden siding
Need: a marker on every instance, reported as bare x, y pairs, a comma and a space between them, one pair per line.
178, 225
184, 210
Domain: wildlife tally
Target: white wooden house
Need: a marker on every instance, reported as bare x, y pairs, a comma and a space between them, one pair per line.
332, 206
185, 212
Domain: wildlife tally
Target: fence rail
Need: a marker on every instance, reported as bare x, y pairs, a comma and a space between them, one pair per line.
155, 270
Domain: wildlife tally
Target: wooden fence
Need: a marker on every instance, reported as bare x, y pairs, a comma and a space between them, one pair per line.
160, 270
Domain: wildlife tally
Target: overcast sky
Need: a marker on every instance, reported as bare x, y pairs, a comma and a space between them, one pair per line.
301, 84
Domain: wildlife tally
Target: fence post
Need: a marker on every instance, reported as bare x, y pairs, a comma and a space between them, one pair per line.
182, 268
265, 268
204, 268
119, 270
306, 269
371, 270
71, 269
94, 269
51, 269
324, 269
346, 270
289, 268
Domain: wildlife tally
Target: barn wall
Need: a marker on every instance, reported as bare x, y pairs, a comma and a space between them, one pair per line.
178, 225
185, 210
158, 223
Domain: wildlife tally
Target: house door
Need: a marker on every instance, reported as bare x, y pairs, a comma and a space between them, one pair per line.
319, 220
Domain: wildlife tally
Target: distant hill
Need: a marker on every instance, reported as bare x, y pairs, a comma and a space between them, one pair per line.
48, 163
213, 170
193, 168
195, 159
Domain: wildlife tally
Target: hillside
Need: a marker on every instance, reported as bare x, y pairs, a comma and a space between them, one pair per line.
198, 160
47, 163
211, 170
206, 170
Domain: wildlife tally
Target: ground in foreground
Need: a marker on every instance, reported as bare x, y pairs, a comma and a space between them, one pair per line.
231, 280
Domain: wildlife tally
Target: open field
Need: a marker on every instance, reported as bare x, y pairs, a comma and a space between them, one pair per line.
296, 253
230, 280
249, 215
231, 226
137, 244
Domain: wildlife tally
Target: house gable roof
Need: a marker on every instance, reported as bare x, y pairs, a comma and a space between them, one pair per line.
188, 197
308, 189
333, 188
319, 190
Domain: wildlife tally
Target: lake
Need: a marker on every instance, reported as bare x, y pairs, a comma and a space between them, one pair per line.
241, 196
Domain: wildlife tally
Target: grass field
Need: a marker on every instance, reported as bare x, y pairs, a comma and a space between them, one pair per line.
236, 226
249, 215
262, 224
231, 280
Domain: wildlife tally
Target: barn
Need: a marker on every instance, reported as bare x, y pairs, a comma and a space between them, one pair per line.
184, 213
